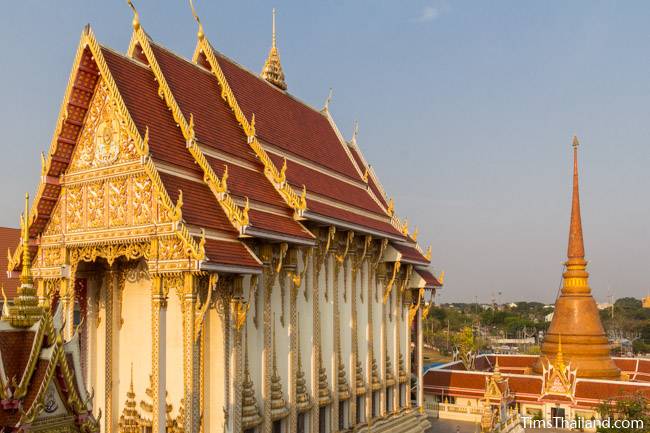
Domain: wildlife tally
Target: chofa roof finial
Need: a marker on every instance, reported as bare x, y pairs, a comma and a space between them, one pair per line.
200, 33
136, 16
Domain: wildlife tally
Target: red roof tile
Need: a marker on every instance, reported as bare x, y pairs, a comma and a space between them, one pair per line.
285, 122
429, 278
200, 206
410, 253
9, 238
356, 153
329, 186
343, 215
282, 225
139, 91
230, 253
197, 92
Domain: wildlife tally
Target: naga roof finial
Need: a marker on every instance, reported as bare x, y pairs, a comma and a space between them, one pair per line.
200, 33
136, 16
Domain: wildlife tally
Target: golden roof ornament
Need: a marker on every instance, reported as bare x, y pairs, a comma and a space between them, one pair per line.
326, 106
403, 377
303, 401
272, 71
200, 34
374, 375
279, 407
25, 311
390, 377
250, 411
324, 396
136, 16
130, 419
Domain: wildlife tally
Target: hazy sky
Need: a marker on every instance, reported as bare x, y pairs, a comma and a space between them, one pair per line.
466, 111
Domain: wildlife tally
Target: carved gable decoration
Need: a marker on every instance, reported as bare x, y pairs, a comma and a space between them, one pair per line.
559, 379
105, 139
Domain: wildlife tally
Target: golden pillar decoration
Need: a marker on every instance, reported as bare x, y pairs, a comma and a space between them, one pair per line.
66, 294
269, 274
190, 358
159, 293
108, 347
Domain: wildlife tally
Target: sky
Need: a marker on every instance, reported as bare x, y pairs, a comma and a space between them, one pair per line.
466, 112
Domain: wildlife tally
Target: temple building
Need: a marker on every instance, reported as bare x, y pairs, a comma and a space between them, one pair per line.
574, 374
223, 258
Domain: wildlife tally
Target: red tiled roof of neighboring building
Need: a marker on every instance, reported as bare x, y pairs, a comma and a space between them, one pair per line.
285, 122
602, 390
9, 238
449, 379
15, 348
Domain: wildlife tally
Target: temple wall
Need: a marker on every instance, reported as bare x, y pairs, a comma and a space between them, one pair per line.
255, 337
215, 366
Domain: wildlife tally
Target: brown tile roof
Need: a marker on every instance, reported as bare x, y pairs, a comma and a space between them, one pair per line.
230, 253
410, 254
344, 215
285, 122
139, 90
429, 278
9, 238
15, 348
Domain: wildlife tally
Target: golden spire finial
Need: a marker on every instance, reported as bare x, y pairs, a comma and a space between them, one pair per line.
273, 41
326, 106
200, 34
26, 274
576, 248
136, 16
355, 132
272, 71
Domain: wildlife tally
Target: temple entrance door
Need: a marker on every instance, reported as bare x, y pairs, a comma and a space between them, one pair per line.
557, 416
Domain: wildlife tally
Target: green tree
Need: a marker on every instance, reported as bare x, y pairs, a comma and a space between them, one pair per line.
627, 407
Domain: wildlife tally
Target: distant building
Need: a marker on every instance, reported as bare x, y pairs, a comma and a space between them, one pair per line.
604, 305
549, 317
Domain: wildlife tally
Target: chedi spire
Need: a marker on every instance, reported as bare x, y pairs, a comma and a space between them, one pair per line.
272, 71
576, 334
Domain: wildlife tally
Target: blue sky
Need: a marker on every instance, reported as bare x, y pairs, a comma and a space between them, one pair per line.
466, 111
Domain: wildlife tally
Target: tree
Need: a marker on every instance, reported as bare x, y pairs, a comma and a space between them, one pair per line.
627, 407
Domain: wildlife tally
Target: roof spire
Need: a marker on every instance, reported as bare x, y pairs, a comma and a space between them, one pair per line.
272, 71
273, 38
200, 34
25, 311
136, 16
576, 248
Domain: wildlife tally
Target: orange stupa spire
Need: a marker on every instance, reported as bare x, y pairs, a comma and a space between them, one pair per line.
576, 333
